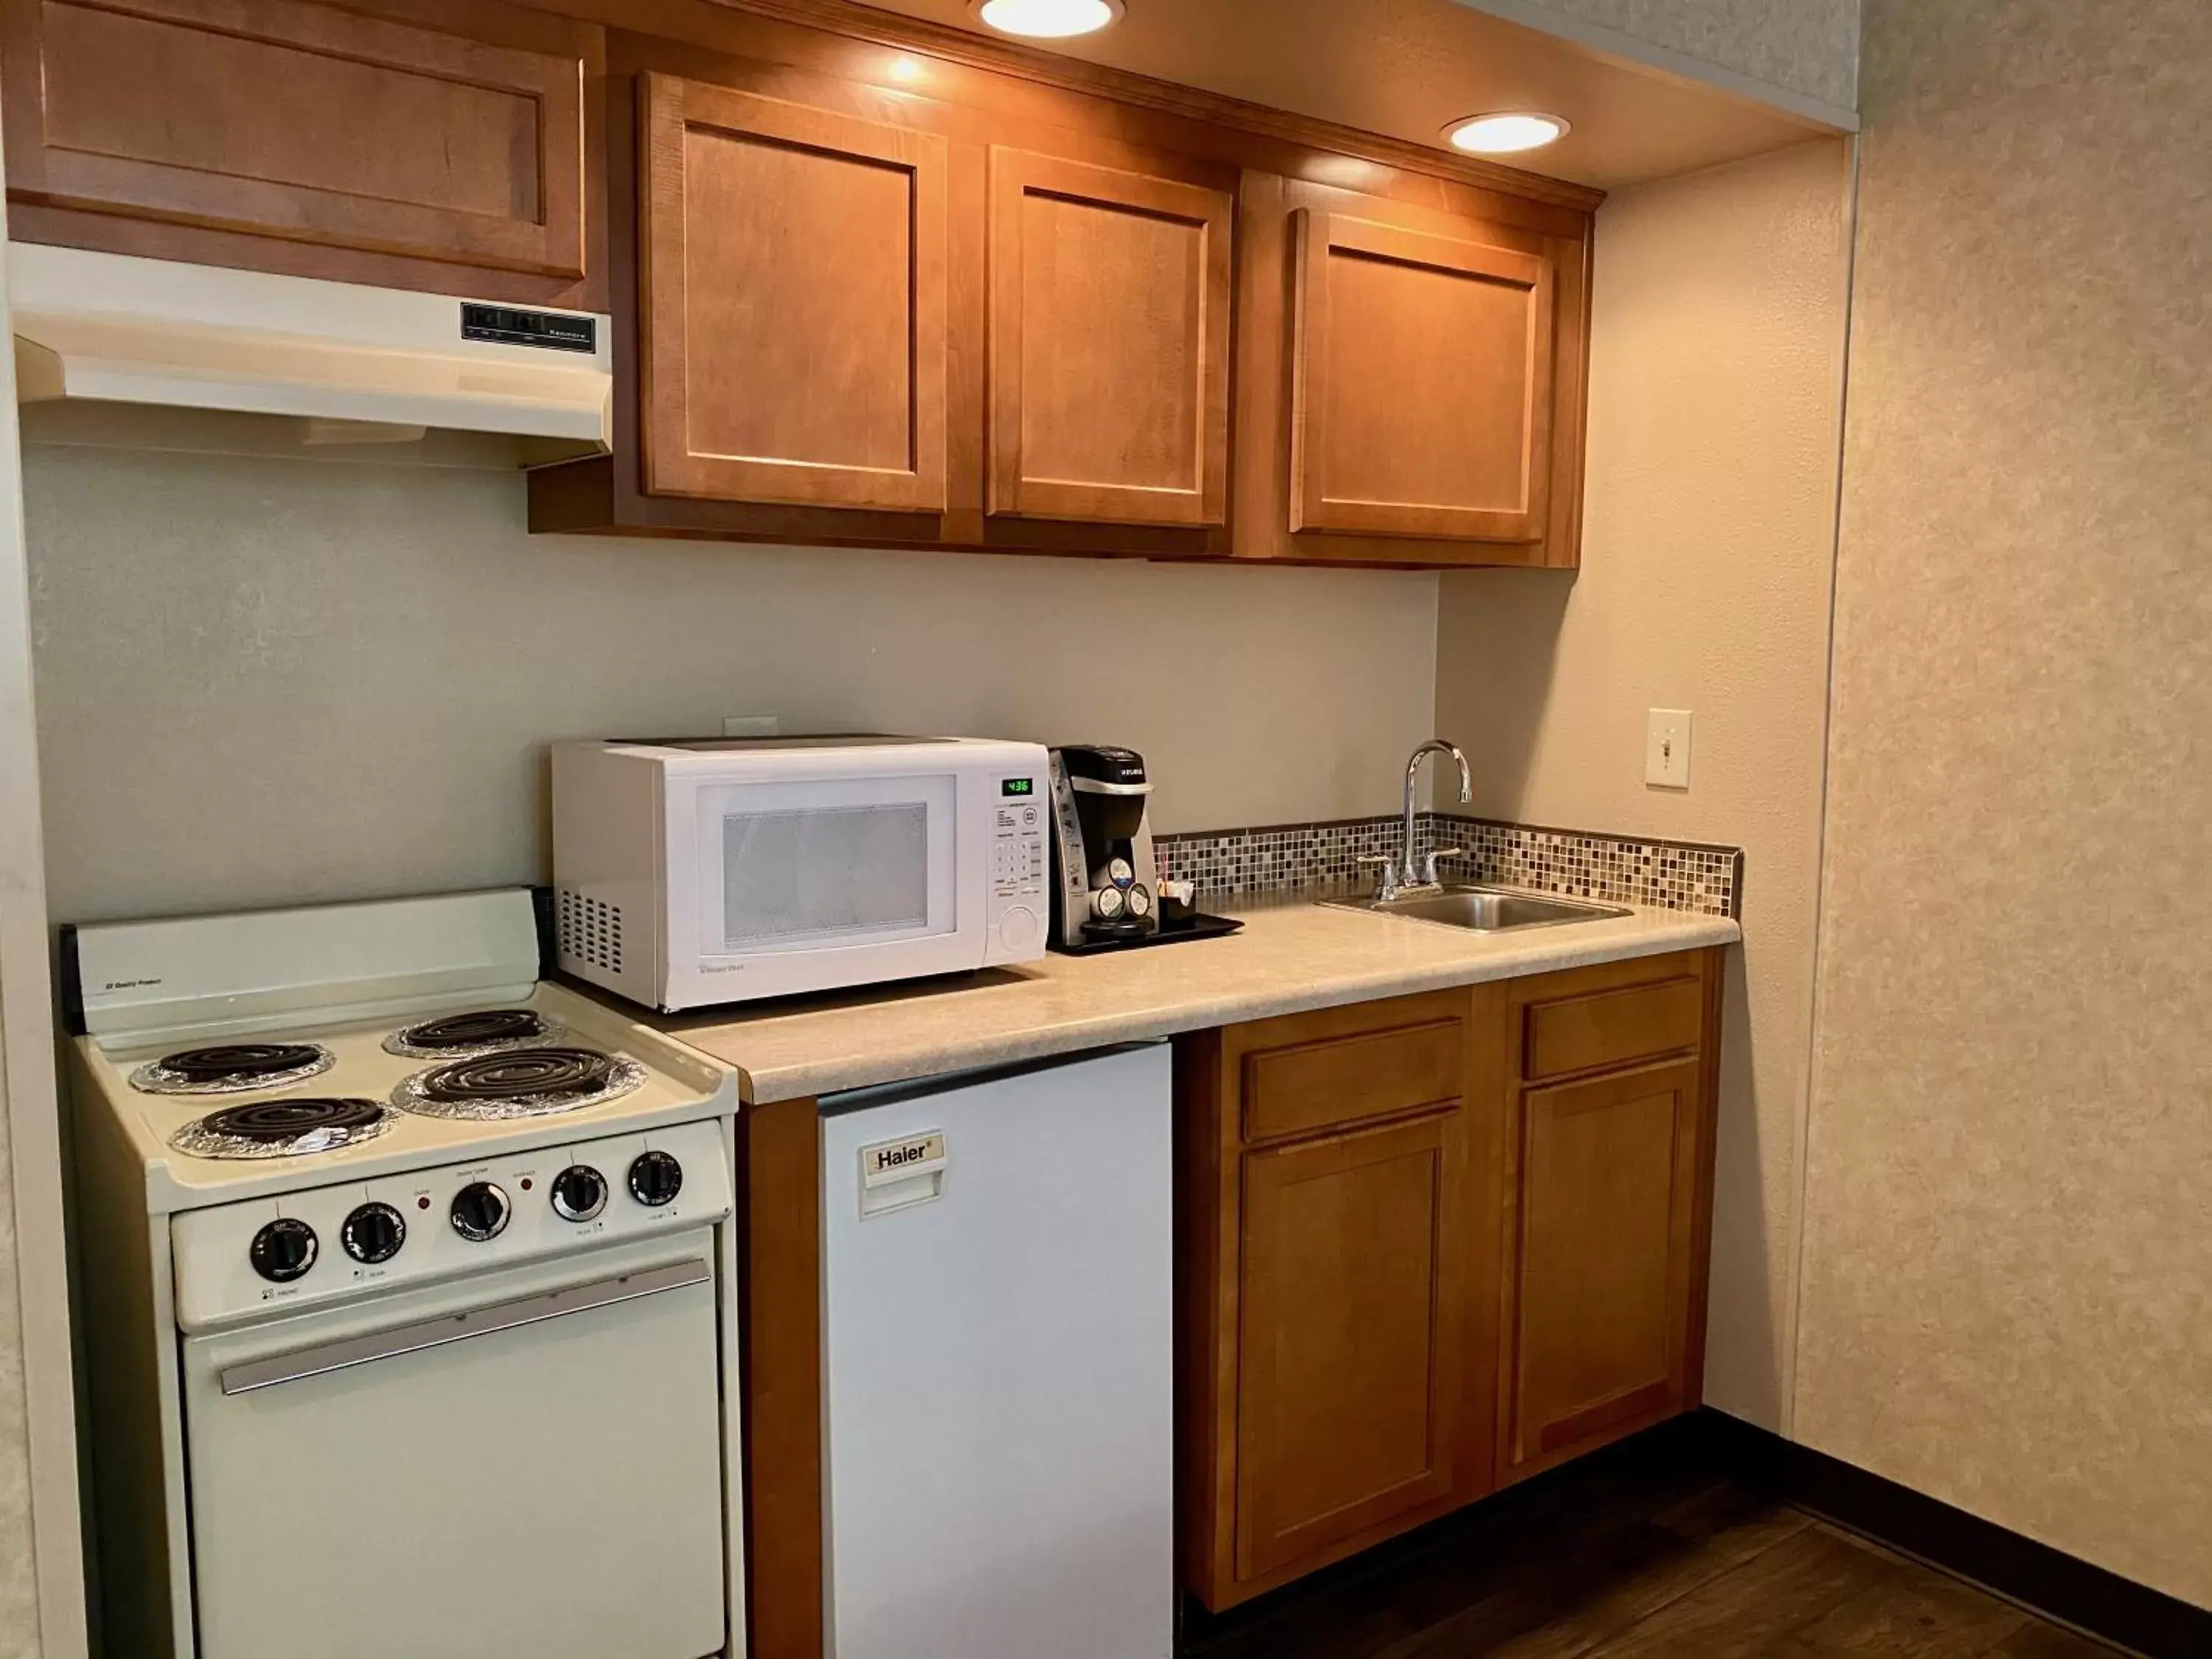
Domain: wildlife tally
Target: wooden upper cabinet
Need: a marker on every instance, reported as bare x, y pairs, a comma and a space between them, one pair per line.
1422, 389
1411, 376
446, 147
1111, 295
793, 295
924, 299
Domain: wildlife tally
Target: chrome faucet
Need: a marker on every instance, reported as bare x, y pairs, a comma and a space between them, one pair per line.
1413, 871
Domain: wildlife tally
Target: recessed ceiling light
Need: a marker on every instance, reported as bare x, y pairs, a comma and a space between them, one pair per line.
1508, 133
1047, 20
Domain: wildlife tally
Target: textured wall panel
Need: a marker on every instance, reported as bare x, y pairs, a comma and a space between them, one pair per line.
1810, 47
2008, 1293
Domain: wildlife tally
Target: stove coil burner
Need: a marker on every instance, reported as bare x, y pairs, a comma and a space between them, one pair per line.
519, 1083
485, 1032
231, 1068
283, 1128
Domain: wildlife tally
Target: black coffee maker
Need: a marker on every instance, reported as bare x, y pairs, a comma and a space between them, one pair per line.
1102, 867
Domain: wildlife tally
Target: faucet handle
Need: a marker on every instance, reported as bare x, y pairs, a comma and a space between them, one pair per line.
1386, 868
1429, 862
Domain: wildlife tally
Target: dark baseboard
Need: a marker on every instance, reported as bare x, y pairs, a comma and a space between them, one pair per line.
2065, 1587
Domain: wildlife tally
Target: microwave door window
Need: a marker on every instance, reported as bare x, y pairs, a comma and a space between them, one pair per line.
816, 875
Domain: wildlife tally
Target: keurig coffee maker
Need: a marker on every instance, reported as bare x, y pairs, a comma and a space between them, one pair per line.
1102, 868
1106, 891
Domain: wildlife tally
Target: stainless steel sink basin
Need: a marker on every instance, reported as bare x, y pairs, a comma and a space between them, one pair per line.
1483, 909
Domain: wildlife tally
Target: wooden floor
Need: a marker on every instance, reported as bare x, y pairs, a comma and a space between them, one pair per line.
1646, 1551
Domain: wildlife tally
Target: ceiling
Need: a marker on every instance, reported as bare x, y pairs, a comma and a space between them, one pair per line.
1407, 67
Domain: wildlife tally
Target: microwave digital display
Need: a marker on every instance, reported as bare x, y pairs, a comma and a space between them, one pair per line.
1017, 786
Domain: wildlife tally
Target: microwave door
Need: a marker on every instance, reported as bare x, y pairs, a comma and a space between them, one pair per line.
807, 884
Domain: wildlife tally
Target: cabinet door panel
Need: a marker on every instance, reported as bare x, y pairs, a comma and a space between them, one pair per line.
304, 123
1606, 1241
1422, 384
1350, 1381
794, 310
1109, 344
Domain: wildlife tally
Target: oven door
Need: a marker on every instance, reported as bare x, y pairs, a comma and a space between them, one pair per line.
807, 884
371, 1482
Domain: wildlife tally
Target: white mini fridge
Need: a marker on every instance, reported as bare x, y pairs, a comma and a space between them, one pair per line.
998, 1303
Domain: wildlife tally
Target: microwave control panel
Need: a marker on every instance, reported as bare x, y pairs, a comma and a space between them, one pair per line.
1019, 865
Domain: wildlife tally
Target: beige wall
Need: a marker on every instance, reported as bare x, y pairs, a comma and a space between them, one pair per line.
263, 681
1714, 397
42, 1602
1806, 47
2008, 1293
19, 1587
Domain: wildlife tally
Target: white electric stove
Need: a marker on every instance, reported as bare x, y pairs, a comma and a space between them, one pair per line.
411, 1294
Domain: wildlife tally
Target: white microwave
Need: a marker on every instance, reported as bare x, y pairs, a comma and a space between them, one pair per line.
721, 870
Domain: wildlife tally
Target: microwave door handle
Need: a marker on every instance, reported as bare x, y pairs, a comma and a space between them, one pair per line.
343, 1355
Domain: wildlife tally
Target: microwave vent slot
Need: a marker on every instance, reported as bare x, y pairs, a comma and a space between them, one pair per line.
591, 931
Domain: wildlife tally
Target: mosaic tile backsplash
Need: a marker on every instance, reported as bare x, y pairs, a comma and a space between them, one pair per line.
1613, 869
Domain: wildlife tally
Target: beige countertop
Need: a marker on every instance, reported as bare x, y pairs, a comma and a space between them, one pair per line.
1290, 959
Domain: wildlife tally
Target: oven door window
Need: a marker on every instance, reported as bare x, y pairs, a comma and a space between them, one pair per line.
821, 865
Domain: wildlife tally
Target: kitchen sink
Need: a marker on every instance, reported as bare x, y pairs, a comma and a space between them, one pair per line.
1483, 909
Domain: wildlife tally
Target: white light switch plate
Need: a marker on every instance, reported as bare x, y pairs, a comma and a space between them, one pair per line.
1667, 749
749, 725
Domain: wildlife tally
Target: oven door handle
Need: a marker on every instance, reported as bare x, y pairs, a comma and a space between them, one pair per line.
365, 1350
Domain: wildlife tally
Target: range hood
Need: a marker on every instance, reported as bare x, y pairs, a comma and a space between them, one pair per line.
356, 364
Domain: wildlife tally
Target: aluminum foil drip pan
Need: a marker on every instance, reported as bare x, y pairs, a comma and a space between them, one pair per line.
284, 1128
480, 1032
233, 1068
519, 1083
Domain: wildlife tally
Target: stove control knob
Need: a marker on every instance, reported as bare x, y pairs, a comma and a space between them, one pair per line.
284, 1250
655, 1178
580, 1193
374, 1233
480, 1212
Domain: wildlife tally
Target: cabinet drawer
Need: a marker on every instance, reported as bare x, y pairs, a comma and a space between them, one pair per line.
1611, 1028
1345, 1079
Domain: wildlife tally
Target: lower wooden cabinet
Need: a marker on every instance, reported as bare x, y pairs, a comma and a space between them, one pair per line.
1609, 1203
1338, 1183
1431, 1245
1352, 1294
1602, 1225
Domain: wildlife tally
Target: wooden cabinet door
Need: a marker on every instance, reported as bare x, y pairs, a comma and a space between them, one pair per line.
1605, 1251
1422, 383
1351, 1335
793, 302
1109, 344
461, 141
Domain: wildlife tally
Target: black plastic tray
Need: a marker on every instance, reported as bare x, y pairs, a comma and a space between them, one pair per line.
1201, 925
